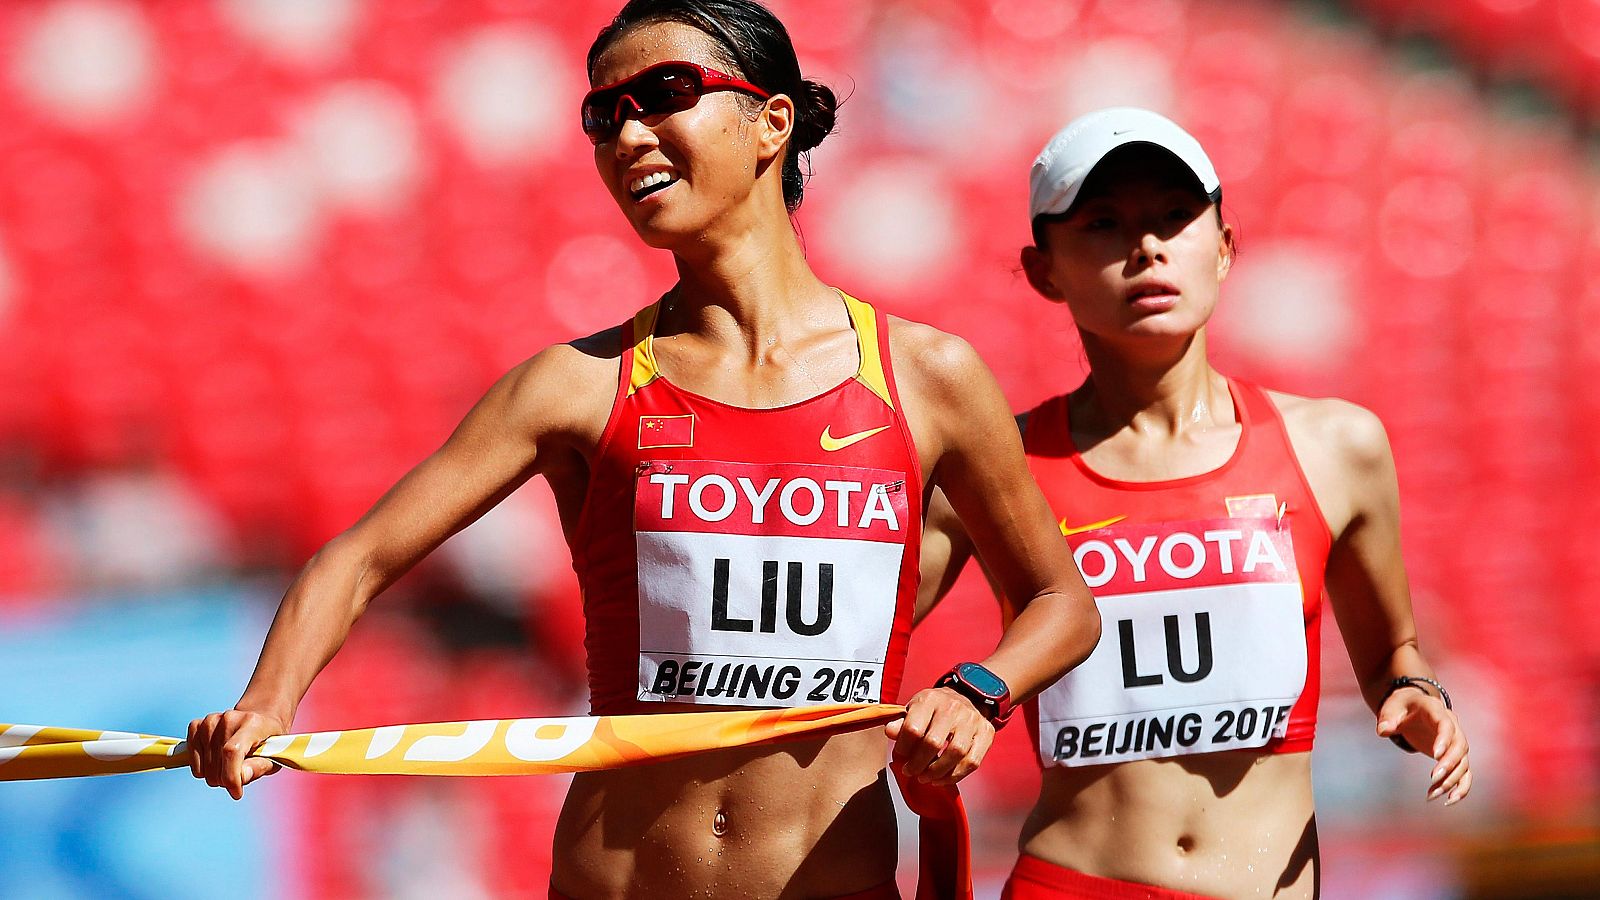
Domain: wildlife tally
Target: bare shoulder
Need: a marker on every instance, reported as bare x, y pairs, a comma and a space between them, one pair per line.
1335, 432
928, 354
565, 385
572, 364
600, 346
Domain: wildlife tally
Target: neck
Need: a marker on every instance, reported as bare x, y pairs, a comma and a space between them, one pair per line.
1166, 390
746, 282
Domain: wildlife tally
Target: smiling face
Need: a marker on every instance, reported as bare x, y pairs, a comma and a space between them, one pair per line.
676, 175
1140, 254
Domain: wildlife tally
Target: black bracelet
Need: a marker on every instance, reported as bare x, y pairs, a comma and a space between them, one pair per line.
1413, 681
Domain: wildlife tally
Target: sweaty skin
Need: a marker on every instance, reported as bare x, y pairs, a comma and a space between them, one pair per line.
747, 324
1237, 823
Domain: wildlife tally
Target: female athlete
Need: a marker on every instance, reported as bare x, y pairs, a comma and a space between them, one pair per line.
1207, 514
740, 472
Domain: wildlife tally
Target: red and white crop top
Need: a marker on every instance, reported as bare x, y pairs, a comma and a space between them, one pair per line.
1210, 597
750, 557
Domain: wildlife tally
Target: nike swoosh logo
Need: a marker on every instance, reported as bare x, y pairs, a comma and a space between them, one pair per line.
1069, 530
831, 443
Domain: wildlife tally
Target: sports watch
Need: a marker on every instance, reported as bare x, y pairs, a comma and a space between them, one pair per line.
986, 690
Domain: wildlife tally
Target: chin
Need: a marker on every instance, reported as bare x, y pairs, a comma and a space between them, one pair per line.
662, 236
1142, 332
1164, 328
666, 229
1182, 321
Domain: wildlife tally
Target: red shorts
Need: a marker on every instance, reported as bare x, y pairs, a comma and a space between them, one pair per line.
886, 891
1035, 879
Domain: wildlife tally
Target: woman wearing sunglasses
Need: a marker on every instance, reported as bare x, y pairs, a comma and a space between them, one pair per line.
740, 471
1207, 514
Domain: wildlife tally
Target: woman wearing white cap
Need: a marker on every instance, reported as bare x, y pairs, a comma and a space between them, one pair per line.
1207, 514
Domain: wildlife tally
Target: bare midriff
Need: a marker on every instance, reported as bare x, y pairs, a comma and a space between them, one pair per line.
808, 819
1236, 824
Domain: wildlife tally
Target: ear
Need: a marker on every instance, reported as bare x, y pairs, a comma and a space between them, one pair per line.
776, 125
1225, 251
1036, 265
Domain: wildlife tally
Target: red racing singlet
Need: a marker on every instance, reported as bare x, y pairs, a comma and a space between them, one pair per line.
1210, 597
750, 557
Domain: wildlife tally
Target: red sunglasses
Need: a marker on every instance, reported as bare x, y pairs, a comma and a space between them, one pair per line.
663, 88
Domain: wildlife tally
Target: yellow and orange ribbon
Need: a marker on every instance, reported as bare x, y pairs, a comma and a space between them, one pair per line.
484, 747
514, 747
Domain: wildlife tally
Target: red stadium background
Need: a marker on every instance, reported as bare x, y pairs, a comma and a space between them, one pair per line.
257, 257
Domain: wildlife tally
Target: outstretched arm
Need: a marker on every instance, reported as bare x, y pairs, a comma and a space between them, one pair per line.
1366, 583
986, 478
534, 409
946, 549
981, 469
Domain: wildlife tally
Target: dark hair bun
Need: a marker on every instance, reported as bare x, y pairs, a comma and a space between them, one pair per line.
815, 111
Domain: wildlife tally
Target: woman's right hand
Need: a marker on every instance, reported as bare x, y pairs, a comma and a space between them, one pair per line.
218, 745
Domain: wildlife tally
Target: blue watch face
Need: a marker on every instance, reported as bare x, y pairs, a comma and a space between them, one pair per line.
986, 682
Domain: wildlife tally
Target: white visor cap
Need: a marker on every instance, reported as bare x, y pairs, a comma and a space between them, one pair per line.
1061, 168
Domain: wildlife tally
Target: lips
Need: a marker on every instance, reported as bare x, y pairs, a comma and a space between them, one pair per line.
1151, 289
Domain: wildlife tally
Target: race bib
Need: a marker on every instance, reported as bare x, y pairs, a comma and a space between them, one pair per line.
768, 585
1202, 643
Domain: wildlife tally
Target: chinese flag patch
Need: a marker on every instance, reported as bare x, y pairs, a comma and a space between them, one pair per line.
1252, 506
666, 431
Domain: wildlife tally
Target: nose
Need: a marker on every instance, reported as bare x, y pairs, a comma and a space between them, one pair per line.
1150, 249
633, 137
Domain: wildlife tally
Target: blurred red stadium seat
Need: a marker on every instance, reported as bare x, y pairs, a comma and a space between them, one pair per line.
294, 399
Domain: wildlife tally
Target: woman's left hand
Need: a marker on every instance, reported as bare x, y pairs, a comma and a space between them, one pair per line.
1432, 728
942, 738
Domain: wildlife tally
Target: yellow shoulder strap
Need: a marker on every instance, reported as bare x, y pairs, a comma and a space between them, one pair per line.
871, 375
644, 355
